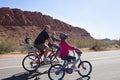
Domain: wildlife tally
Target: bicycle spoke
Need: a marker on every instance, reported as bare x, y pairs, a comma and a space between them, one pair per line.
30, 63
55, 72
85, 68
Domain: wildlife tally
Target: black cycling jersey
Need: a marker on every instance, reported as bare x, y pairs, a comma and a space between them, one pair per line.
42, 37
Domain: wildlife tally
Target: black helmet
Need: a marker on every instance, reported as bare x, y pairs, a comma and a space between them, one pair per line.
63, 36
26, 39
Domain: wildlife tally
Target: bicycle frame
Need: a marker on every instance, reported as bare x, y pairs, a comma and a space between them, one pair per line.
38, 53
85, 68
35, 60
66, 64
77, 60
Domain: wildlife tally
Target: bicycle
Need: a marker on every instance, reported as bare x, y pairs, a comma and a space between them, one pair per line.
57, 71
34, 60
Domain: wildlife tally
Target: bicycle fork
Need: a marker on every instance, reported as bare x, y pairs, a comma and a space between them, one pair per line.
81, 62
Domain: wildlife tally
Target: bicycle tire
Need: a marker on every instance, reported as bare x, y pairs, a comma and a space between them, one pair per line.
28, 59
30, 53
54, 71
85, 72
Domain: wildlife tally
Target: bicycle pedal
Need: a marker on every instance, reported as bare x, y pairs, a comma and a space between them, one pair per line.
42, 63
35, 66
31, 64
47, 63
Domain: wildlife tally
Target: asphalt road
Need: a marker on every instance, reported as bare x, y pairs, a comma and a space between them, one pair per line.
106, 66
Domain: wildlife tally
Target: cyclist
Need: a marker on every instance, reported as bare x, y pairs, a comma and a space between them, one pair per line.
55, 45
40, 41
65, 47
28, 45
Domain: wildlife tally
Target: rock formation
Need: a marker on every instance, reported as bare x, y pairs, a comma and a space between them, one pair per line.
16, 23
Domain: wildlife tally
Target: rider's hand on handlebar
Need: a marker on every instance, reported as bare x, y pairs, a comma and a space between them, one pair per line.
78, 52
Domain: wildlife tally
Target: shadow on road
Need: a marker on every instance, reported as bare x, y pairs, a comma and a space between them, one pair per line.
83, 78
26, 76
34, 76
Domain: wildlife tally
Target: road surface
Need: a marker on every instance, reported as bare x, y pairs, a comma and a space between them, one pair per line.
106, 66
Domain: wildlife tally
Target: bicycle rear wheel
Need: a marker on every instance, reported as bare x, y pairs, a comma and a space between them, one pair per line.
31, 62
30, 53
56, 72
85, 68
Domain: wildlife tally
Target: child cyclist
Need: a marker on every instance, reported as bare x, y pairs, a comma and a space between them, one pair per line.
65, 47
29, 46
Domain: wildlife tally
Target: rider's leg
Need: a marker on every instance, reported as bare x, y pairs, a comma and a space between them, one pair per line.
74, 66
74, 62
41, 48
46, 50
69, 58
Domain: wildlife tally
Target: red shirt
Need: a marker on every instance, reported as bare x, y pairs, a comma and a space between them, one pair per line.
65, 47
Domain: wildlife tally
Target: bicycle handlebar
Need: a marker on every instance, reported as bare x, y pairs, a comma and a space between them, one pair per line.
78, 52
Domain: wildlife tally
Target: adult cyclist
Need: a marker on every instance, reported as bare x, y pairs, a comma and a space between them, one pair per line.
40, 41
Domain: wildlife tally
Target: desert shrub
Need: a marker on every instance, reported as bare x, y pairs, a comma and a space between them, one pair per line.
7, 46
118, 42
96, 45
99, 45
85, 43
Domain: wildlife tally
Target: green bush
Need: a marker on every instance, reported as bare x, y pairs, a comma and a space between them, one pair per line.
118, 42
96, 45
85, 43
100, 45
7, 46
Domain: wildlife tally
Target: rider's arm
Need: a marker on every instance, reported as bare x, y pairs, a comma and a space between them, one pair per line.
71, 47
74, 48
55, 39
50, 41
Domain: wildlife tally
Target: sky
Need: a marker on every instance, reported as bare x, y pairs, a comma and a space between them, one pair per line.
101, 18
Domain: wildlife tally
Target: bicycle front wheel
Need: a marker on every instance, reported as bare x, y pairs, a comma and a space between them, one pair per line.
31, 62
56, 72
85, 68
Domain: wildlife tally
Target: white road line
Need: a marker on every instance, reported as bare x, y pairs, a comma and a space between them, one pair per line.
6, 67
104, 58
94, 59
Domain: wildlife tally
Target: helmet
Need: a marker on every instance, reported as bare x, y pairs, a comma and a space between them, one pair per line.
26, 39
63, 36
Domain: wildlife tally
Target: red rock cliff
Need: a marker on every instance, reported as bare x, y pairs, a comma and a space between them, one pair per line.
13, 19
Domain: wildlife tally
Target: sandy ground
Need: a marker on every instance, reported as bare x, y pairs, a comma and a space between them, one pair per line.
22, 55
12, 55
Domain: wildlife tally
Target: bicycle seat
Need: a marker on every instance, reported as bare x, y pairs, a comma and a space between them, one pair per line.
67, 60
